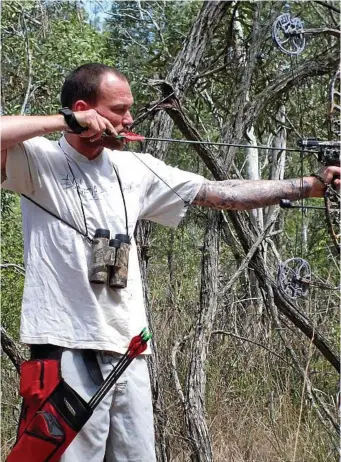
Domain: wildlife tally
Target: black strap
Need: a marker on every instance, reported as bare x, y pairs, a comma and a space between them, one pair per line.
78, 192
123, 198
46, 351
91, 363
58, 218
71, 120
86, 234
53, 214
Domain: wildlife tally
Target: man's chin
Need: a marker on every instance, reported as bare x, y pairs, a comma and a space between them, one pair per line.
110, 143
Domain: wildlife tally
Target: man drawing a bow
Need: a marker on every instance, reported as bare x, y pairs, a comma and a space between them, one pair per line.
86, 182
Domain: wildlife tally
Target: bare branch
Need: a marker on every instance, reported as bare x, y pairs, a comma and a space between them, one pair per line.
231, 334
328, 5
212, 71
19, 268
325, 64
325, 30
29, 63
249, 255
317, 404
11, 349
175, 350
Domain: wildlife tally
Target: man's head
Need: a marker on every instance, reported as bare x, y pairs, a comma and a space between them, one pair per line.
84, 83
103, 88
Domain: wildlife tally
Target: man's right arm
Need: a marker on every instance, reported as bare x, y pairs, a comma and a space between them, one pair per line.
16, 129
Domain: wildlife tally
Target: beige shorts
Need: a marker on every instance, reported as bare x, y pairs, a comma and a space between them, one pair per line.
121, 428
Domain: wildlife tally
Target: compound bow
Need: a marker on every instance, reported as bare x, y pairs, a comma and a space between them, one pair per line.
294, 275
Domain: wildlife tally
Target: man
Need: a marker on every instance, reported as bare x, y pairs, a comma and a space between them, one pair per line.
72, 187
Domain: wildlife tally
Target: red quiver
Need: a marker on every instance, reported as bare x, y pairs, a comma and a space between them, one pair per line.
53, 412
52, 415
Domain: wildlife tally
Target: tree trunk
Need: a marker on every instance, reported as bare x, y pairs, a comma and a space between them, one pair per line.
181, 76
196, 376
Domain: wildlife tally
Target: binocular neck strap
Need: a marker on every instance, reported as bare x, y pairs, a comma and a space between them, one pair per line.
123, 199
80, 199
86, 234
78, 192
58, 218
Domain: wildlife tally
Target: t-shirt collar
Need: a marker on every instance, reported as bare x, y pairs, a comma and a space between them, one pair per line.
75, 155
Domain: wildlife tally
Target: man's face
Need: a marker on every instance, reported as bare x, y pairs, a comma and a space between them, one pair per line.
114, 104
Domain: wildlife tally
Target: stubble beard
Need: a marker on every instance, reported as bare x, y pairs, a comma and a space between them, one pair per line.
107, 142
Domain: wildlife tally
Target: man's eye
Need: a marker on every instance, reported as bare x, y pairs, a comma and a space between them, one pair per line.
120, 110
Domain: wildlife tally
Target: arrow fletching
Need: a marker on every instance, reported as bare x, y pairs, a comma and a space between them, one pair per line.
138, 343
130, 137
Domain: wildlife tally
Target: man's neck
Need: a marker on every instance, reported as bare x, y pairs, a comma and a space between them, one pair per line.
82, 146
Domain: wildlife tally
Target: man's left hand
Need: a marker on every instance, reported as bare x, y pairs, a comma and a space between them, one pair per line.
330, 176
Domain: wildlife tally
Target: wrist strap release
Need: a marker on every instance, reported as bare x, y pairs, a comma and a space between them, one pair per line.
71, 120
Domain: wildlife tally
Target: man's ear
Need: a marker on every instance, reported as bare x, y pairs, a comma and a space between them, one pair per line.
81, 105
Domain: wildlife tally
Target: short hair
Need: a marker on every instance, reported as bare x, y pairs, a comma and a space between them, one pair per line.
84, 82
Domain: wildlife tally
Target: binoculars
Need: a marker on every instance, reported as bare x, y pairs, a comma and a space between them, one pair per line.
109, 259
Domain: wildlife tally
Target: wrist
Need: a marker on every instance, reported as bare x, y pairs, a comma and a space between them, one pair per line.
62, 122
71, 120
53, 123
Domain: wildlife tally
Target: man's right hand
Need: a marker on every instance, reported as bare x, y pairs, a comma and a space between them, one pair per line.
96, 125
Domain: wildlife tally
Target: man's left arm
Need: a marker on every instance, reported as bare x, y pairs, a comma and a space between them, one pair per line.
252, 194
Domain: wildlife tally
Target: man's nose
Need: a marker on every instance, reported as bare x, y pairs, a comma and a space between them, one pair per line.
127, 119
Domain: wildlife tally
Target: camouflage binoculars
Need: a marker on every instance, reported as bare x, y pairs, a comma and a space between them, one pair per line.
109, 259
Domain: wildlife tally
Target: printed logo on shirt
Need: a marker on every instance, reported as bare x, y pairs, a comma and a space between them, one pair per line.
93, 192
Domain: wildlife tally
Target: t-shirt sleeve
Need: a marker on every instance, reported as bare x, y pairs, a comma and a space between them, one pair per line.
170, 192
22, 169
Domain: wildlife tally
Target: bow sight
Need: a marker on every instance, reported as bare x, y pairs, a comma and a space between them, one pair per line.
328, 151
328, 154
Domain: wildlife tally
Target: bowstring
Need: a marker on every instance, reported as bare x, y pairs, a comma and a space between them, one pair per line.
299, 243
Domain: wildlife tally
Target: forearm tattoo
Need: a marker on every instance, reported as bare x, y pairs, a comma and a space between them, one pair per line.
247, 194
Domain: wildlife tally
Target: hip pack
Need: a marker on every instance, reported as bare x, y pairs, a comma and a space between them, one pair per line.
50, 427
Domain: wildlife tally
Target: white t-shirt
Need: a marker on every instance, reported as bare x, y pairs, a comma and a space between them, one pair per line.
60, 305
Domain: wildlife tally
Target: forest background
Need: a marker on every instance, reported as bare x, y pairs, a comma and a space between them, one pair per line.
240, 371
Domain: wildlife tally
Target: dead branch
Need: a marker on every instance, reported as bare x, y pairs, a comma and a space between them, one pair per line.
324, 30
244, 339
16, 267
11, 349
322, 65
328, 5
176, 347
322, 412
29, 65
249, 256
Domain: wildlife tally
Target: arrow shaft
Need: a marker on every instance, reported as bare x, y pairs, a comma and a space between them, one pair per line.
303, 207
172, 140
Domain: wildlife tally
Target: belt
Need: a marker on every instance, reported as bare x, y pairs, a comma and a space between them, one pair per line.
46, 351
